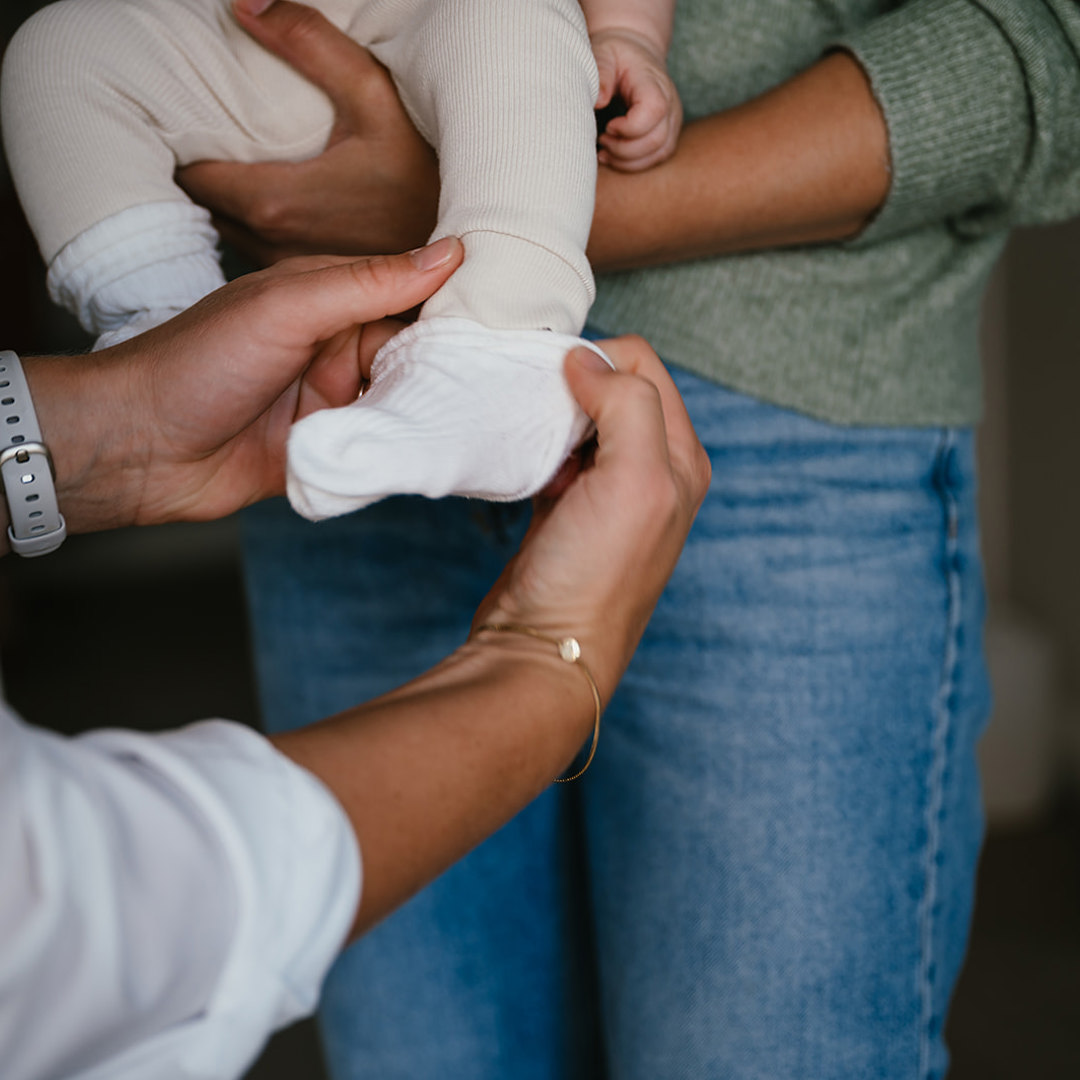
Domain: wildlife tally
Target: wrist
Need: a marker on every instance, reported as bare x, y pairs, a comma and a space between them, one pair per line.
34, 524
605, 650
545, 668
507, 651
649, 40
86, 419
648, 19
568, 650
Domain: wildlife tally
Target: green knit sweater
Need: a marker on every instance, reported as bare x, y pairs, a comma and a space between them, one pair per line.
982, 102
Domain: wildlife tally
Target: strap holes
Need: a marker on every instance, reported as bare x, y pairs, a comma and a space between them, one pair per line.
26, 478
32, 498
16, 439
7, 401
12, 419
5, 382
37, 528
36, 513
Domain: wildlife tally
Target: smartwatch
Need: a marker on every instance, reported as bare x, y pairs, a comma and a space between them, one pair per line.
26, 469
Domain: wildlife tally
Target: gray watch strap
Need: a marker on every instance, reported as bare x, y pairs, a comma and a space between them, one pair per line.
26, 469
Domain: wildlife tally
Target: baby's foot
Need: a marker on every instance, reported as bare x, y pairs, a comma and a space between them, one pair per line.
453, 409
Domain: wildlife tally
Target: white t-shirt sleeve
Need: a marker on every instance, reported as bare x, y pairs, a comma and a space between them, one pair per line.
166, 901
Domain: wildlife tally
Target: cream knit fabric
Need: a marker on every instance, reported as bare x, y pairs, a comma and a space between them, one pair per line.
103, 99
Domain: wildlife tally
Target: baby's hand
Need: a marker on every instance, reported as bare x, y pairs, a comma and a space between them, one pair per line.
634, 69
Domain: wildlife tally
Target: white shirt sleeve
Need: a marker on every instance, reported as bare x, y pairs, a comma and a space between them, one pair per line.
166, 901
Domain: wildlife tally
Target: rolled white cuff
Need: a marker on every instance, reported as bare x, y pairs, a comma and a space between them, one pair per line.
139, 267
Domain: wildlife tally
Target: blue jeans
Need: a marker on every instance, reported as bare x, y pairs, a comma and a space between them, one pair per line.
768, 871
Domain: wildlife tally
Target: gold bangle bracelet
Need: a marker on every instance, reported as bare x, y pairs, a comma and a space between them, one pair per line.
570, 651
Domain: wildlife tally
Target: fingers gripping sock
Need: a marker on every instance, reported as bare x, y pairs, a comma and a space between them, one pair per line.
453, 409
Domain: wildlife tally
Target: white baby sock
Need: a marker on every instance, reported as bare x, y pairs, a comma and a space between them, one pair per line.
137, 269
454, 408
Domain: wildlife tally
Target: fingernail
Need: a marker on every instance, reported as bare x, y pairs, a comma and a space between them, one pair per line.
587, 358
434, 255
253, 7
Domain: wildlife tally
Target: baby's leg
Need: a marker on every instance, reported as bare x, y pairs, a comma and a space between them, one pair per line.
472, 399
102, 99
505, 92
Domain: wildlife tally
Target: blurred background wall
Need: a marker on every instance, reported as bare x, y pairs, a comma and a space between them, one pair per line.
153, 624
1030, 454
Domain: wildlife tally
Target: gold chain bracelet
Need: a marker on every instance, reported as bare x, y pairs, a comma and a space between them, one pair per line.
570, 651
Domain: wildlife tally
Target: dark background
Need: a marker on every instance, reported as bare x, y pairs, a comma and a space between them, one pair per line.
148, 630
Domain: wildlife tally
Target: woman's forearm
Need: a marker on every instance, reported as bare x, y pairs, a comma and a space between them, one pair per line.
807, 162
428, 771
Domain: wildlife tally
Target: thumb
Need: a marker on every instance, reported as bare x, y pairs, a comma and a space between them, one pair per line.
314, 304
306, 40
605, 68
586, 375
625, 407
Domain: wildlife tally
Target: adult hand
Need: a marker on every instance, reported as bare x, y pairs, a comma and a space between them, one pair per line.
805, 163
443, 747
374, 189
189, 421
597, 556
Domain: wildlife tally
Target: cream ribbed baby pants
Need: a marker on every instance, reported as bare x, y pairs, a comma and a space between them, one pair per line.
103, 99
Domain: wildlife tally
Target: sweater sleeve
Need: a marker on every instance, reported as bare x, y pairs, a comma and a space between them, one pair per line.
982, 103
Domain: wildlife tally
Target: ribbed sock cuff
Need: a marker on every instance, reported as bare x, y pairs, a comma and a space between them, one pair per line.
508, 283
155, 257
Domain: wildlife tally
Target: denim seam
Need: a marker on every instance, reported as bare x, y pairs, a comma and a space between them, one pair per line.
939, 736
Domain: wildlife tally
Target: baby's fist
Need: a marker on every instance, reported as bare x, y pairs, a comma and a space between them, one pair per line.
632, 68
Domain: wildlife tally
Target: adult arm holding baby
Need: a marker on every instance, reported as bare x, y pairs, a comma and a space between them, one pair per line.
806, 162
